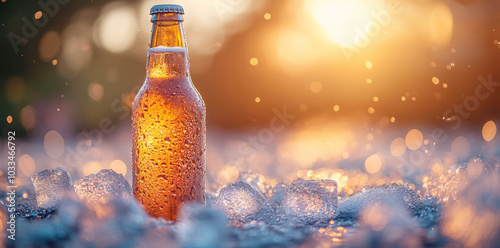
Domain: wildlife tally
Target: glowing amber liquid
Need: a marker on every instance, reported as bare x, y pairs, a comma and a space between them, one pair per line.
169, 136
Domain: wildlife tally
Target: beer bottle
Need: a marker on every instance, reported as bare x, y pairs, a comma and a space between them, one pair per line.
168, 118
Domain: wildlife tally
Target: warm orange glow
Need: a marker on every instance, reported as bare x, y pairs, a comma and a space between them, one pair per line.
267, 16
38, 15
9, 119
294, 49
49, 46
27, 165
437, 168
371, 110
373, 163
489, 131
254, 61
119, 167
440, 24
340, 19
414, 139
398, 147
109, 33
435, 80
304, 147
368, 64
228, 174
316, 87
92, 167
376, 217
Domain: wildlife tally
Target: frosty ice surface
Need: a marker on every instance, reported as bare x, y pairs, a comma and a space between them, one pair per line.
403, 196
105, 184
240, 200
311, 200
50, 185
202, 227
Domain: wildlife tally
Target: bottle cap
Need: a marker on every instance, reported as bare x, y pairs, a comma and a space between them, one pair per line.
167, 8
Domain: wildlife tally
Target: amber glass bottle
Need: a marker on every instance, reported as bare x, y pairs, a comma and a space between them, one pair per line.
168, 116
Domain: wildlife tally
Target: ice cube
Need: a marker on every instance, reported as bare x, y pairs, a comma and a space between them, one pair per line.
240, 200
202, 227
102, 186
50, 185
310, 200
403, 196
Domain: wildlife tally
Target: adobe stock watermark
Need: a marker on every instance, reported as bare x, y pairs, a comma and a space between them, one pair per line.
455, 114
364, 36
266, 135
30, 28
225, 8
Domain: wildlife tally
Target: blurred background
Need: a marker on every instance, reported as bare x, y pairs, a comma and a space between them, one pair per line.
364, 89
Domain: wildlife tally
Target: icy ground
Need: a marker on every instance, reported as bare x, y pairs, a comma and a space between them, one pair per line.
459, 208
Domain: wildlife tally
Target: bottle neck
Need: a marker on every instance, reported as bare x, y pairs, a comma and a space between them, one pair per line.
167, 55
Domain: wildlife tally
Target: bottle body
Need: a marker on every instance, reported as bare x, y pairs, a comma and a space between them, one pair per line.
169, 136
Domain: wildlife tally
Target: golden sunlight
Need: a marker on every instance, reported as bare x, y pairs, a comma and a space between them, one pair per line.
351, 22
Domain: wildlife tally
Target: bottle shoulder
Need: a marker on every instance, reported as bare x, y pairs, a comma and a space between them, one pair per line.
178, 91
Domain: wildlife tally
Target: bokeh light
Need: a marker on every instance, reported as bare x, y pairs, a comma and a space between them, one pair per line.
398, 147
316, 87
49, 45
489, 130
95, 91
254, 61
28, 117
119, 167
76, 51
435, 80
53, 143
414, 139
440, 24
460, 147
38, 15
116, 28
368, 64
373, 163
26, 165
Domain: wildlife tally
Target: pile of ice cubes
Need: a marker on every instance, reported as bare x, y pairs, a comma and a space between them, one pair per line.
303, 201
99, 209
52, 184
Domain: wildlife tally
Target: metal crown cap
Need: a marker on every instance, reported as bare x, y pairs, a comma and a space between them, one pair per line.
167, 8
